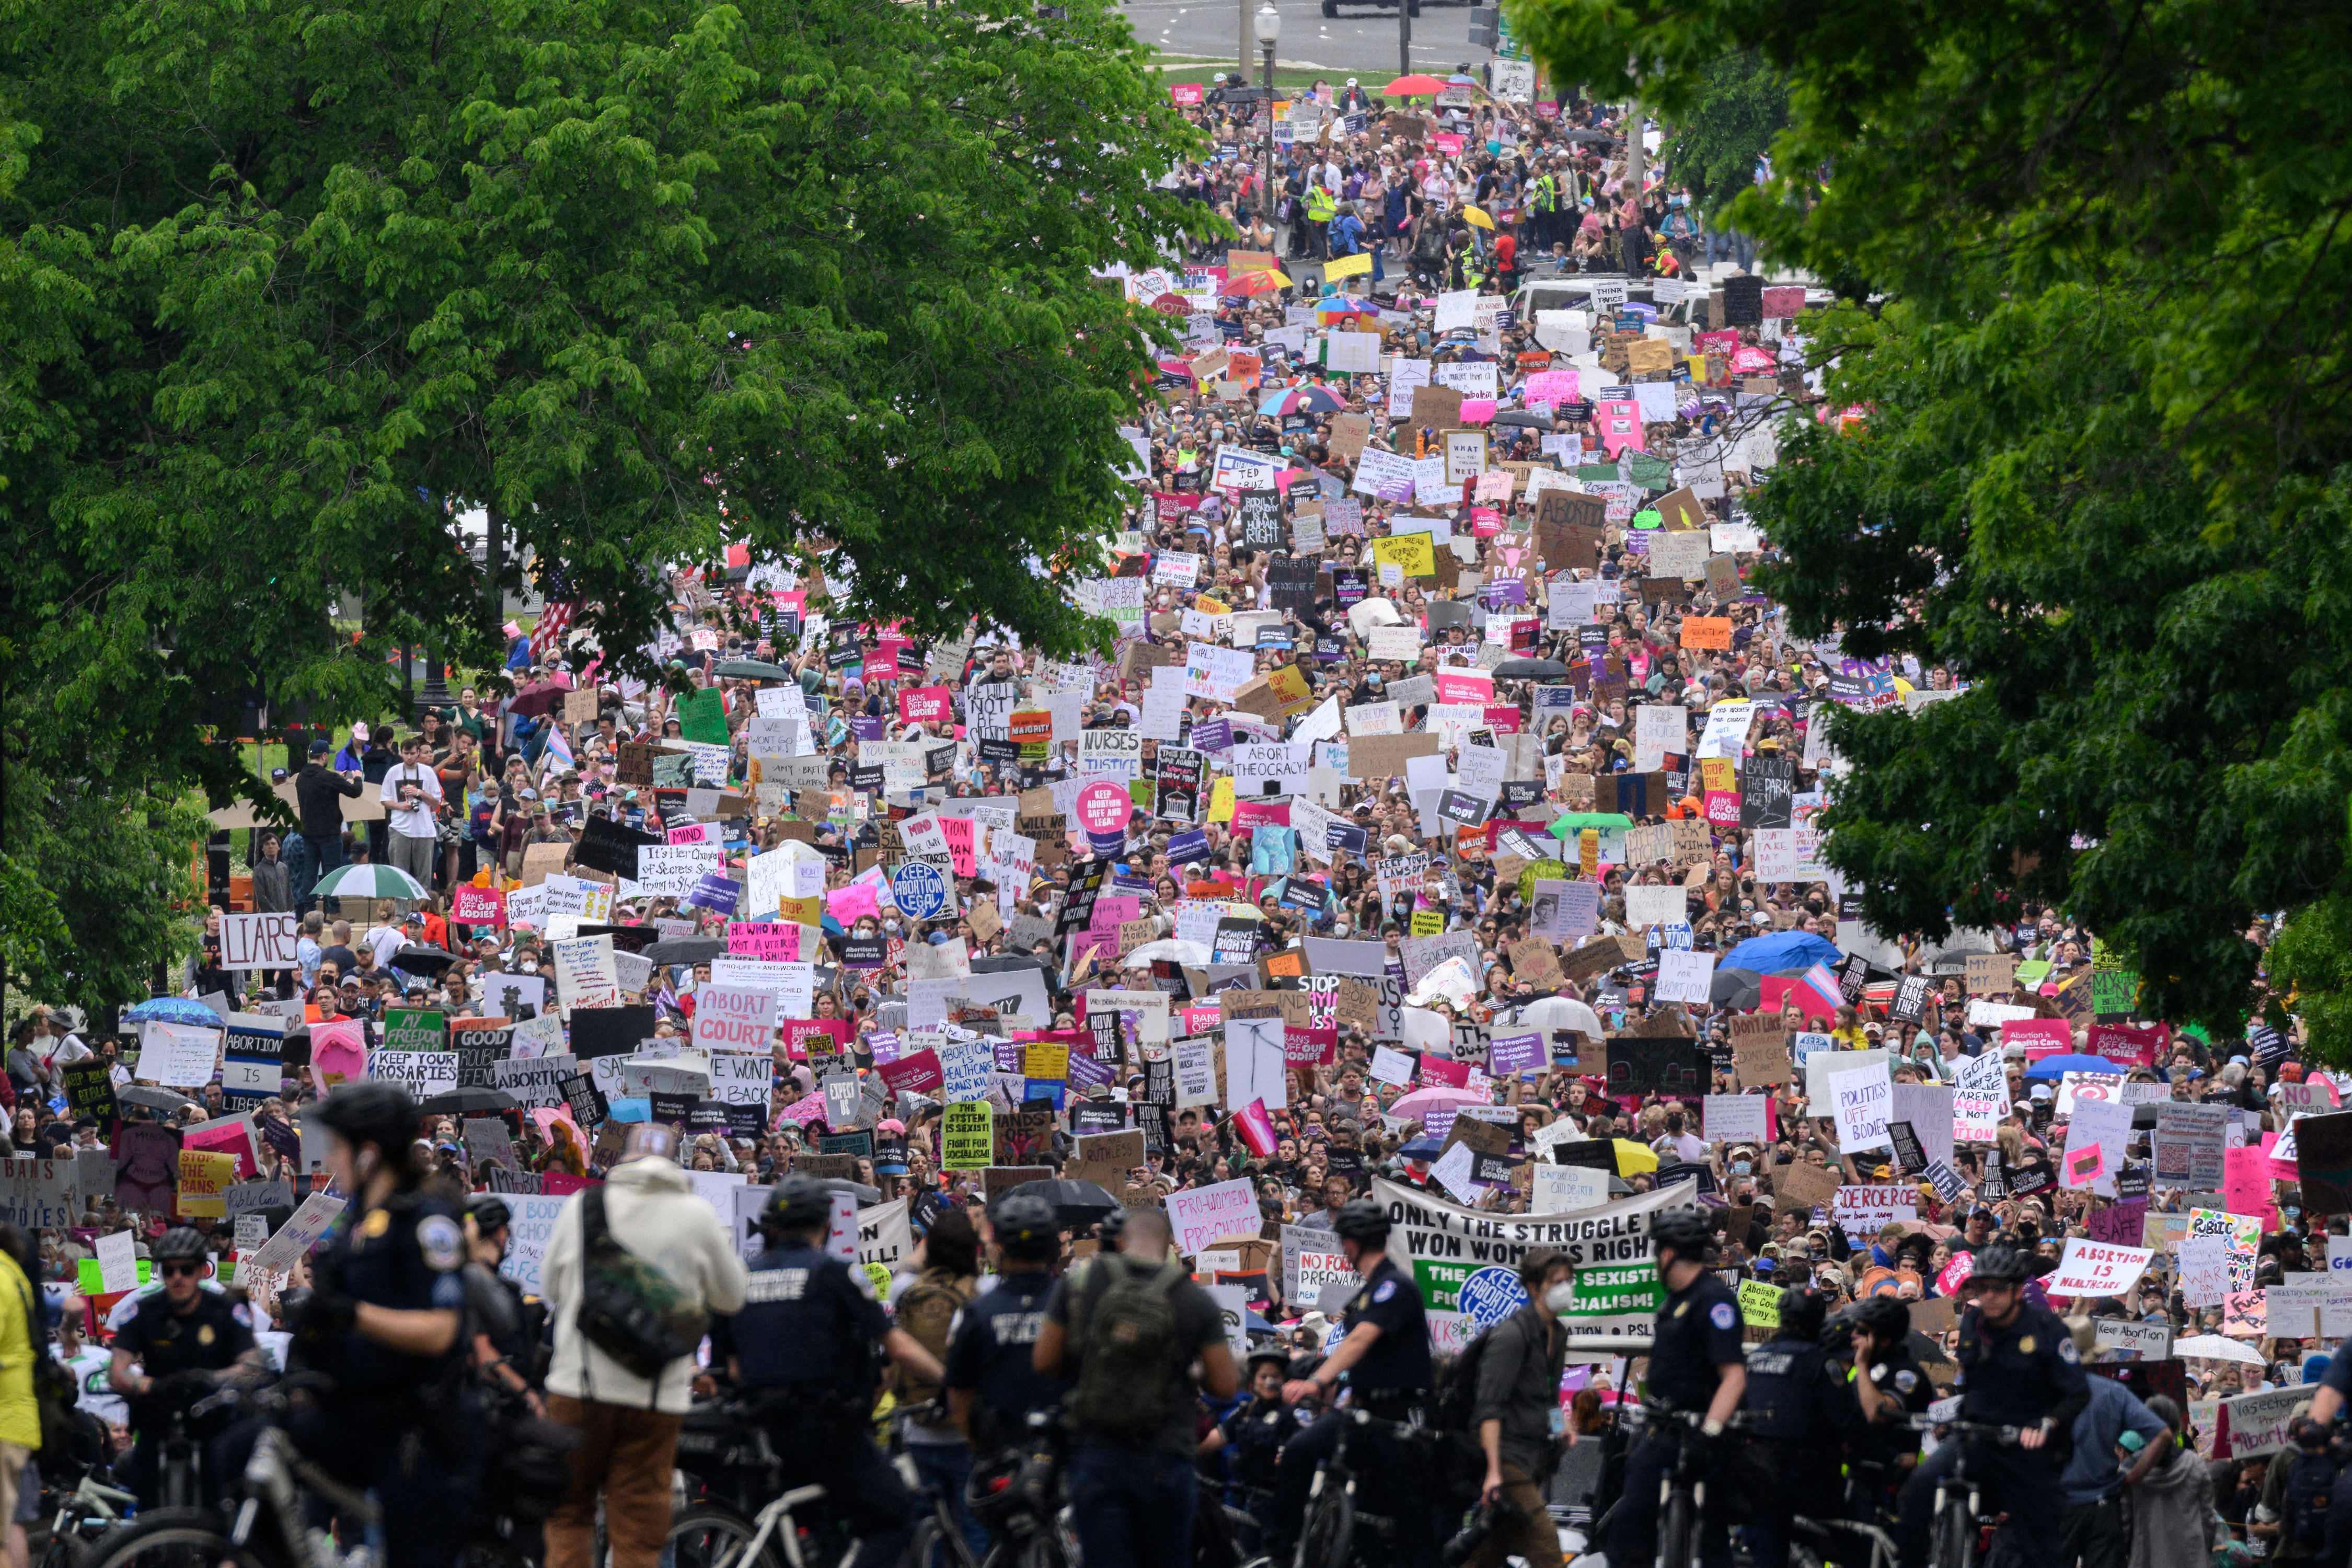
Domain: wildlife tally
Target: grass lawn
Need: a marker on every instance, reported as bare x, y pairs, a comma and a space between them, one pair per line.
1191, 68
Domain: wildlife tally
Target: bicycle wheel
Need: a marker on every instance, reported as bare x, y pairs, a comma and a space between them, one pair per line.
1954, 1544
1330, 1533
1678, 1532
171, 1538
708, 1537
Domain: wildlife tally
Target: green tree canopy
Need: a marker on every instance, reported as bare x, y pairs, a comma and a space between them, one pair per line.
1741, 105
285, 285
2100, 469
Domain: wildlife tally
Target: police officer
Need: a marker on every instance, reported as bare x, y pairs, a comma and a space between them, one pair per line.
505, 1344
803, 1349
1697, 1364
1890, 1387
168, 1354
1257, 1431
1385, 1354
1799, 1411
385, 1319
993, 1387
2019, 1368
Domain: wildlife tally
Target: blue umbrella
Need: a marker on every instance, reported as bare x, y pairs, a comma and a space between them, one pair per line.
2059, 1067
172, 1010
1424, 1149
1783, 952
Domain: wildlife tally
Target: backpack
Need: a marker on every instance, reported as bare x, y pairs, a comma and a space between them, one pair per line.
629, 1308
2310, 1480
1125, 1350
1457, 1385
928, 1310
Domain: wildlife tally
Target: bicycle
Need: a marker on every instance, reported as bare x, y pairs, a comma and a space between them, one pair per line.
1959, 1523
1018, 1496
270, 1528
938, 1535
83, 1516
1328, 1538
729, 1455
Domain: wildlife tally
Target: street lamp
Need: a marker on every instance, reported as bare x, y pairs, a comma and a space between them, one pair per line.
1268, 22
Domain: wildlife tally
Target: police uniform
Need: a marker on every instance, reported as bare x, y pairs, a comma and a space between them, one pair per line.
804, 1347
1898, 1376
1392, 1382
988, 1357
2021, 1375
1799, 1410
1696, 1336
208, 1337
406, 1426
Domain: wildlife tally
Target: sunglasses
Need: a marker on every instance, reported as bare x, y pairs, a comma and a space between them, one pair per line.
180, 1267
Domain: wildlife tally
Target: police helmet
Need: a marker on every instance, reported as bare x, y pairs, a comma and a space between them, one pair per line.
1885, 1318
371, 1112
1363, 1220
180, 1241
2000, 1264
797, 1203
1025, 1227
1684, 1232
1803, 1312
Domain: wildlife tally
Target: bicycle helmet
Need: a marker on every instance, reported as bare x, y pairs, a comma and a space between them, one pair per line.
1108, 1229
371, 1112
490, 1212
180, 1241
1885, 1318
1363, 1220
1683, 1231
798, 1203
2000, 1264
1025, 1227
1803, 1312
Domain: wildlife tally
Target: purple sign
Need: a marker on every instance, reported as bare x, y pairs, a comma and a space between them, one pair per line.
1214, 736
1514, 1053
716, 892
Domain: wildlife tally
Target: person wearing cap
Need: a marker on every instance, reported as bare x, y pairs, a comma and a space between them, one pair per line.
2095, 1486
318, 793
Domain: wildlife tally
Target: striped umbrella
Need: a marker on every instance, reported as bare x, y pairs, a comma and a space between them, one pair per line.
1301, 400
370, 882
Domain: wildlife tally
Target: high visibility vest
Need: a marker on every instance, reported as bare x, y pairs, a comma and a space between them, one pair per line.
1320, 206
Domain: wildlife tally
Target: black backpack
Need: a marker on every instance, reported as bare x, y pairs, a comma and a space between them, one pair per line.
629, 1308
1457, 1385
2310, 1482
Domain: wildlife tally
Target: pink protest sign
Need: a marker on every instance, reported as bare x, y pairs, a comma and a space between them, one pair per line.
338, 1051
1437, 1071
926, 705
1550, 386
849, 904
958, 832
1185, 94
479, 907
1103, 807
2032, 1032
1447, 141
695, 833
2246, 1184
232, 1137
917, 1072
777, 939
1620, 426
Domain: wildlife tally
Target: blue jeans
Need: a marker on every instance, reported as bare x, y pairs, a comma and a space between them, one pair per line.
302, 870
1133, 1507
326, 854
945, 1469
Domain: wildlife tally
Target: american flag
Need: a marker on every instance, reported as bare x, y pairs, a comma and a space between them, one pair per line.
547, 637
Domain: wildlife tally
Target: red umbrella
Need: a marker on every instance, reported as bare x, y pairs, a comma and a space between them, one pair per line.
1255, 283
1414, 85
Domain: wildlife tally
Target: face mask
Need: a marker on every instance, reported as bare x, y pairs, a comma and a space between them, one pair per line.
1559, 1298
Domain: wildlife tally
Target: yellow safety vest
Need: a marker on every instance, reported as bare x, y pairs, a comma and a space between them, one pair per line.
1320, 207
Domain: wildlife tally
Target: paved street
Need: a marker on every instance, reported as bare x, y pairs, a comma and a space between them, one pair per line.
1361, 41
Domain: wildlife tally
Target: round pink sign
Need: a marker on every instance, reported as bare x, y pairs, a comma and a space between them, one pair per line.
1105, 806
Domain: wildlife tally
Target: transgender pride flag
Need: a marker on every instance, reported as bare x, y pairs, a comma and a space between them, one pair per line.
1823, 985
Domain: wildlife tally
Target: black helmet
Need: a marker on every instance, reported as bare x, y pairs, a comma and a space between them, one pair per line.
1883, 1318
1107, 1228
489, 1211
797, 1203
1681, 1229
2000, 1264
1363, 1220
1025, 1227
372, 1112
179, 1241
1803, 1311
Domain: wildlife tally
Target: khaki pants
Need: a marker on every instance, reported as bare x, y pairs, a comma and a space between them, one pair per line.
627, 1454
414, 856
1528, 1533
